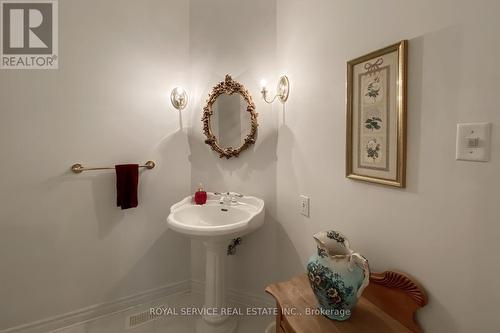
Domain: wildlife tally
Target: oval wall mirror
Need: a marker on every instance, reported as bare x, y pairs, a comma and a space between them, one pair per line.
229, 119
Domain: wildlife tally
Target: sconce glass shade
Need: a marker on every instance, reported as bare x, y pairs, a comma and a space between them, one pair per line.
263, 83
179, 98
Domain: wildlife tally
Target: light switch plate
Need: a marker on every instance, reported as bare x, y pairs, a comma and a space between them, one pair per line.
304, 205
473, 142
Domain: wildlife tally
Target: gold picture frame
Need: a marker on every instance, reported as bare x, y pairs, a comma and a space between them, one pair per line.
376, 116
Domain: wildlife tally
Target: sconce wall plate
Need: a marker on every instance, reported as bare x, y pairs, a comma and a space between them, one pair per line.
283, 89
179, 98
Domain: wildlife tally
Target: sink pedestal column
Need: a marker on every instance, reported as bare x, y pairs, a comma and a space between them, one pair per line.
215, 291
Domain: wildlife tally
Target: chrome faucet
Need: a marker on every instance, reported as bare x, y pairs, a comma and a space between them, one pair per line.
233, 196
223, 197
228, 197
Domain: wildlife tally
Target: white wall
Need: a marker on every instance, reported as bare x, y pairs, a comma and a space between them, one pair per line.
236, 38
64, 244
443, 228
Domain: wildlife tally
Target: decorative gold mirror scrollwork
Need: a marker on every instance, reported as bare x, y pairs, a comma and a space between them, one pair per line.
229, 119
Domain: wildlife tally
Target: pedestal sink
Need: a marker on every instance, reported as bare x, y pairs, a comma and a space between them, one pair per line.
216, 223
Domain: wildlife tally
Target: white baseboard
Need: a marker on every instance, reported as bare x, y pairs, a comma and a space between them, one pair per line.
100, 310
237, 296
96, 311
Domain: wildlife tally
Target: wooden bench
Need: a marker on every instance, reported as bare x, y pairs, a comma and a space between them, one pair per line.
388, 305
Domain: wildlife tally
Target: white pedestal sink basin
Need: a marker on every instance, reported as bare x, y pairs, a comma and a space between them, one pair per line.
216, 225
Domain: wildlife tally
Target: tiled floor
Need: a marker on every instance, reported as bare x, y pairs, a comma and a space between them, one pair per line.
166, 324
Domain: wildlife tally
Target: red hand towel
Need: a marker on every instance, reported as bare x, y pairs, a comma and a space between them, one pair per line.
127, 179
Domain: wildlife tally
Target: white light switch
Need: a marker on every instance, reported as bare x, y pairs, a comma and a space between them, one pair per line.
304, 205
473, 142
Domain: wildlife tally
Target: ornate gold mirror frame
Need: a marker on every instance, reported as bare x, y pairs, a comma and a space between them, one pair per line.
229, 86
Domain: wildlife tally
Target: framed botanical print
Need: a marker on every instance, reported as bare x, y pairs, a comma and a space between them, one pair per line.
376, 116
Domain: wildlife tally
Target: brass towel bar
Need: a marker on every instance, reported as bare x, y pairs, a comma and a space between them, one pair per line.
77, 168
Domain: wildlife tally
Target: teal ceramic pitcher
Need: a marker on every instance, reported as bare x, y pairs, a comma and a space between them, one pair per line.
337, 275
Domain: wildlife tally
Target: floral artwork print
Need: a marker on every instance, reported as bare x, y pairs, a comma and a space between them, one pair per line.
373, 117
372, 149
373, 123
373, 88
376, 116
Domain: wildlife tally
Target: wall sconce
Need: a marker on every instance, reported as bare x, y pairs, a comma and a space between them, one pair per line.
282, 90
179, 98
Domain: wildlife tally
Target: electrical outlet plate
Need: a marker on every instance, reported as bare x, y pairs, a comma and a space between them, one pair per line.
304, 205
473, 142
